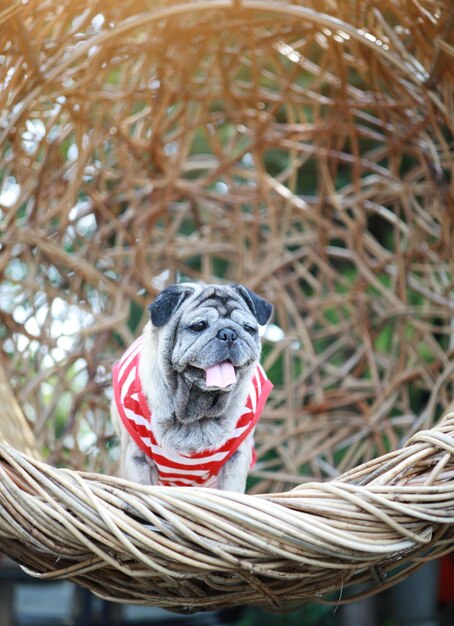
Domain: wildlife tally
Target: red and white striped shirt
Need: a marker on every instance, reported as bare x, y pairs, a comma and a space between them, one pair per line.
201, 468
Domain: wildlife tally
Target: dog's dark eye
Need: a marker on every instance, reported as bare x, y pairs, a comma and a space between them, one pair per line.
197, 327
250, 329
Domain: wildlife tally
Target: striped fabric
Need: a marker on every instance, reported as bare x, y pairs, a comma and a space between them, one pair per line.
175, 469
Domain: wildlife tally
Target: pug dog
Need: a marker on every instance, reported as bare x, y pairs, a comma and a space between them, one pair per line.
189, 391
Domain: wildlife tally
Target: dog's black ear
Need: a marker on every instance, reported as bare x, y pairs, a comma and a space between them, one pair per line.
167, 303
259, 307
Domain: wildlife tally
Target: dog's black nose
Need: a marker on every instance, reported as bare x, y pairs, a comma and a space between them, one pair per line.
227, 334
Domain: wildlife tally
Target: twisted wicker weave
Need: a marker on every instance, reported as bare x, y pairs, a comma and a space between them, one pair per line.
303, 148
191, 549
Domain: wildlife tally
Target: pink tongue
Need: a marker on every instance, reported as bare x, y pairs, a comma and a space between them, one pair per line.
220, 375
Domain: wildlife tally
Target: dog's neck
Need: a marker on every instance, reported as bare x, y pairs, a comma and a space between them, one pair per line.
193, 404
199, 436
201, 420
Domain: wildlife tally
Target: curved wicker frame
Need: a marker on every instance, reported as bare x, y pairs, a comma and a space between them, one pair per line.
303, 148
191, 549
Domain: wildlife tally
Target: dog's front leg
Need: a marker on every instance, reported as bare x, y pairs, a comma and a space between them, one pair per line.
233, 475
136, 466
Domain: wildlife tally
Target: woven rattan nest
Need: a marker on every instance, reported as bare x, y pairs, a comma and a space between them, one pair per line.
302, 148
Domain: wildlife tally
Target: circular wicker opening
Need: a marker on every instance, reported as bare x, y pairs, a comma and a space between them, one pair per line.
303, 149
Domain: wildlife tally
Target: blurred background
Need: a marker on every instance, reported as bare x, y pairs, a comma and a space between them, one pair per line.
302, 148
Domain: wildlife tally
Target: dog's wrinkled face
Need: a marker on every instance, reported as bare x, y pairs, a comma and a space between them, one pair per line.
210, 332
